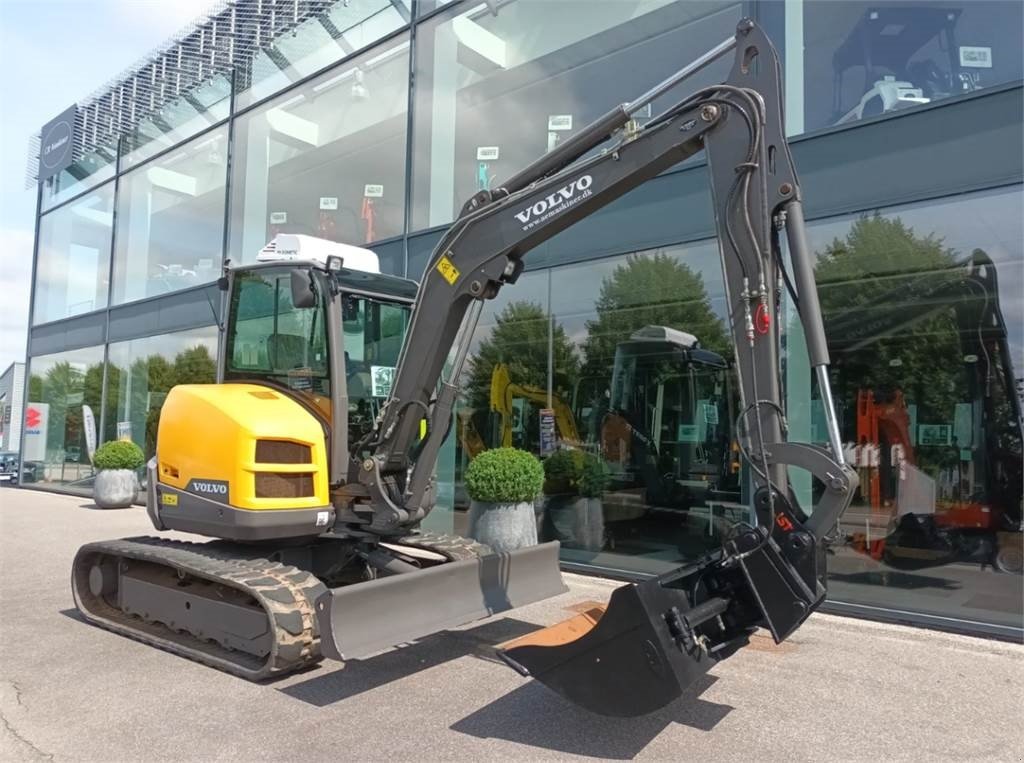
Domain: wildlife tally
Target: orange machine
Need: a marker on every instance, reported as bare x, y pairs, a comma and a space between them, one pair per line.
880, 424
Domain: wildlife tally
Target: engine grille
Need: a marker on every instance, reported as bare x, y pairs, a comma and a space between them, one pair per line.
282, 452
278, 485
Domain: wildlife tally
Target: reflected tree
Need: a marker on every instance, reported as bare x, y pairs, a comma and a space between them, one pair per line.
61, 387
877, 257
136, 394
520, 341
194, 366
650, 290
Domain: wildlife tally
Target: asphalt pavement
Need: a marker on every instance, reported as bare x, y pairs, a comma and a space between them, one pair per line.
839, 689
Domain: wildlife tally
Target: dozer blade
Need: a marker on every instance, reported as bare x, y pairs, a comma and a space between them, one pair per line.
358, 620
620, 660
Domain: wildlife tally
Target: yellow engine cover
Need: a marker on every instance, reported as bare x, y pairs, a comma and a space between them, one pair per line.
262, 447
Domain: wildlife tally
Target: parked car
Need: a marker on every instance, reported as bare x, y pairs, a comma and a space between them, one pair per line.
31, 471
8, 468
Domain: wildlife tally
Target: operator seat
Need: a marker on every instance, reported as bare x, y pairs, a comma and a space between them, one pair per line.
357, 379
286, 351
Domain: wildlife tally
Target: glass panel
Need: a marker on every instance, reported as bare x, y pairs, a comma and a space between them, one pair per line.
925, 325
423, 7
178, 120
141, 372
91, 170
639, 408
60, 389
495, 90
170, 221
270, 338
868, 57
327, 159
72, 272
374, 332
510, 344
653, 409
349, 25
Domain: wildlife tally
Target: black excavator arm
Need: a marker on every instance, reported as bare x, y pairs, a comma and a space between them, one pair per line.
656, 636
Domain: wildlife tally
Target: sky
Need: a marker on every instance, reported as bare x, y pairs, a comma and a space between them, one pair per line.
54, 53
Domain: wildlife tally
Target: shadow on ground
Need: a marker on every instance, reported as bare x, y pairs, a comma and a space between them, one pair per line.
360, 676
535, 716
93, 507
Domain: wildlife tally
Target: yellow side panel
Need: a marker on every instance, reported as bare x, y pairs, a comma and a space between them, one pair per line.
208, 432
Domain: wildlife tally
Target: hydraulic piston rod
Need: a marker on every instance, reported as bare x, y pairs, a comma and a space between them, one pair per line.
602, 128
692, 68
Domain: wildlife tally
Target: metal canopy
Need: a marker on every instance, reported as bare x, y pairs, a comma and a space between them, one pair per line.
229, 37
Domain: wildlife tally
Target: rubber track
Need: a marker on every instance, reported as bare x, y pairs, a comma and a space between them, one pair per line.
285, 593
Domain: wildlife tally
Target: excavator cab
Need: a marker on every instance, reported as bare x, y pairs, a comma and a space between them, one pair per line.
670, 411
276, 334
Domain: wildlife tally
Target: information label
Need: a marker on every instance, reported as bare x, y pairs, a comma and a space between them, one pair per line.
381, 378
934, 434
547, 431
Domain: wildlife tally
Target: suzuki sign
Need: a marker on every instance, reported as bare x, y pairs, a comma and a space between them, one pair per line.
33, 442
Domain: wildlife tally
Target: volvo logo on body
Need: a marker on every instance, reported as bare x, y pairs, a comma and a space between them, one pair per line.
556, 202
209, 487
216, 490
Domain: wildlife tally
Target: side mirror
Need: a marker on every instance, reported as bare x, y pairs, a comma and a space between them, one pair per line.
222, 283
302, 289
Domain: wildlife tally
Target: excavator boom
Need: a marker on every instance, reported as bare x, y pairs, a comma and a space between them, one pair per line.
656, 637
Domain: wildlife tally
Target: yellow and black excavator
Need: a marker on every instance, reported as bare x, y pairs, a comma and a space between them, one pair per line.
309, 464
504, 392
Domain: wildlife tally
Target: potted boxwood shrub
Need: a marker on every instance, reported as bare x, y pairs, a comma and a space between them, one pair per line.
573, 513
502, 484
594, 478
116, 484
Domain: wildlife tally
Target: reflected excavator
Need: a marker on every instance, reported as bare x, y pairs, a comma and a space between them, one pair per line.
977, 516
311, 462
504, 393
666, 428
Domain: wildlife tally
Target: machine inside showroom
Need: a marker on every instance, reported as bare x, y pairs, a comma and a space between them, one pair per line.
311, 462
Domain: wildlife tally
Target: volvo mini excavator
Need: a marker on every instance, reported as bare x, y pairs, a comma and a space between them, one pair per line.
311, 461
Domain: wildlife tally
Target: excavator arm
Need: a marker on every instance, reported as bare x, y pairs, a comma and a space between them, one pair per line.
657, 636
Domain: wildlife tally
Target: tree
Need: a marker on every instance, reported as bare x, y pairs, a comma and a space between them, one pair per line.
651, 290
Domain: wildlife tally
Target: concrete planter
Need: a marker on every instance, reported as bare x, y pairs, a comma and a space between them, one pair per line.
115, 488
503, 526
575, 521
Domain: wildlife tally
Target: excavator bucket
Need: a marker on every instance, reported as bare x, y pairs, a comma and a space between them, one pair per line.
358, 620
625, 659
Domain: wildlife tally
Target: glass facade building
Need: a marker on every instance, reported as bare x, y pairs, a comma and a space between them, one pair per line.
372, 121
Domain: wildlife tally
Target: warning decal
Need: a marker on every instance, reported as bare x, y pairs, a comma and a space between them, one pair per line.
447, 269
